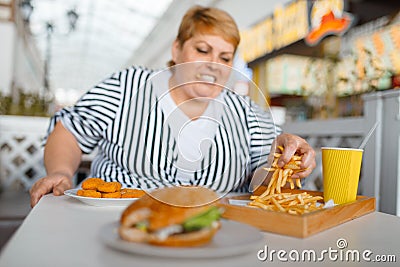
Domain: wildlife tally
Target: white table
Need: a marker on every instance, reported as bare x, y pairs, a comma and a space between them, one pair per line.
61, 231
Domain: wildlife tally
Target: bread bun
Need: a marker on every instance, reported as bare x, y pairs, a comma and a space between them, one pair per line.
165, 207
191, 239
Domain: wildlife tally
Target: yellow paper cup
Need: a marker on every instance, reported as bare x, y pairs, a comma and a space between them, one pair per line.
341, 172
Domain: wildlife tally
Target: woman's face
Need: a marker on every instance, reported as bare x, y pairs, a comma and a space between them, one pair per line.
215, 58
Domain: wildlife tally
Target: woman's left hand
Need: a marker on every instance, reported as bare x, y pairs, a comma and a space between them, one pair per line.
295, 144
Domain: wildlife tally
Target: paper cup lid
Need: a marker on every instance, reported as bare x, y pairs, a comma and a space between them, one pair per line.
342, 148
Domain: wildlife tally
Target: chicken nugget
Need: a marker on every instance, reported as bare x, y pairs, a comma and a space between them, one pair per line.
88, 193
111, 195
132, 193
109, 187
91, 183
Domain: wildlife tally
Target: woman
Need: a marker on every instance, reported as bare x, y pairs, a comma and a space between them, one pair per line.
181, 126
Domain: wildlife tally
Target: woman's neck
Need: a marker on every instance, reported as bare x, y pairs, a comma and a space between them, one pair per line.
191, 107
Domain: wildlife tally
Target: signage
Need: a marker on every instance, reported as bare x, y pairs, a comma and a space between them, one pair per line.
327, 18
290, 23
308, 20
287, 25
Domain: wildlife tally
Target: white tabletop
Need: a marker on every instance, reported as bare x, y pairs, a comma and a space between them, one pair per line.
61, 231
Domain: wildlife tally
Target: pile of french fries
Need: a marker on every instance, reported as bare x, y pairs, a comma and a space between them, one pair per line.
274, 200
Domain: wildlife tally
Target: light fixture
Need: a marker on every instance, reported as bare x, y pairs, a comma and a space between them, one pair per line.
26, 8
49, 28
72, 18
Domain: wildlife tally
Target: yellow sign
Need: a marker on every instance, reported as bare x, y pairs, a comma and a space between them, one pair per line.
290, 23
258, 41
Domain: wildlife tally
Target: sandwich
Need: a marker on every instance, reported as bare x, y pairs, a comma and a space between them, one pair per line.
172, 216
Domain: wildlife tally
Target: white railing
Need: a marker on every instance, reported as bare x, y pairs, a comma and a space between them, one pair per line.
21, 151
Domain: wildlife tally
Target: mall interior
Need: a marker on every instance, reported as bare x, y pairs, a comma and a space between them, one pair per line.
328, 71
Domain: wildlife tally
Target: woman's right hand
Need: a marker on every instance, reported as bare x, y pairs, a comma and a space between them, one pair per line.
56, 183
62, 157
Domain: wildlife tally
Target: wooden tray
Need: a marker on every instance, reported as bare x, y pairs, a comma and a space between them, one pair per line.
297, 225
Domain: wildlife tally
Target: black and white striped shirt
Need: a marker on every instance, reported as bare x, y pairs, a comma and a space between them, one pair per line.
138, 147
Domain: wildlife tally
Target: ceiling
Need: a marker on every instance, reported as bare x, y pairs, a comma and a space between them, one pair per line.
155, 49
111, 35
106, 34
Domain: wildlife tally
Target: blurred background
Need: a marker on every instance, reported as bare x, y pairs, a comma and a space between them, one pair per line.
52, 51
328, 69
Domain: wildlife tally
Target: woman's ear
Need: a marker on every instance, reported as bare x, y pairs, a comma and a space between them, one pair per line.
175, 50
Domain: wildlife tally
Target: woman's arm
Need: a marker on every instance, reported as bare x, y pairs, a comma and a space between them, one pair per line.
62, 153
62, 157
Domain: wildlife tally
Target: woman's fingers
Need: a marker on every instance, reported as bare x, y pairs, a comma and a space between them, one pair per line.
293, 144
40, 188
61, 187
56, 183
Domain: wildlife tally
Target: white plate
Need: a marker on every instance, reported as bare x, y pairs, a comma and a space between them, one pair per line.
100, 202
232, 239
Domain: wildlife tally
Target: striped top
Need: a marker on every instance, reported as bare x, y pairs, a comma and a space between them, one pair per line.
138, 142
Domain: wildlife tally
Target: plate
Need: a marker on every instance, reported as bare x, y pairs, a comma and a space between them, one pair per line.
232, 239
100, 202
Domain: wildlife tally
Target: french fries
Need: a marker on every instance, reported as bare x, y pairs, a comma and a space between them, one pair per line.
274, 200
